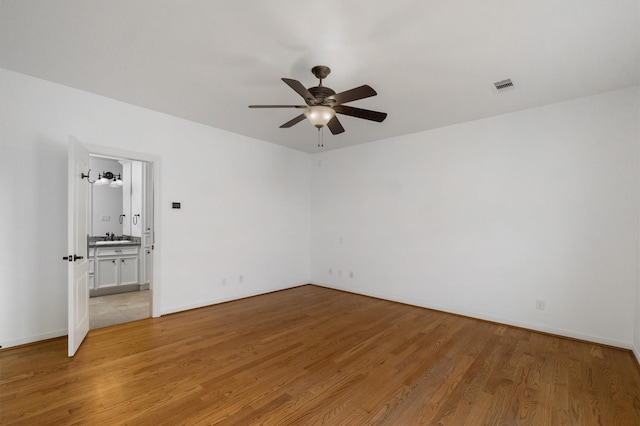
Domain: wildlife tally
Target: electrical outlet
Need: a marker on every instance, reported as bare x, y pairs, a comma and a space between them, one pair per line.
105, 218
330, 271
350, 274
340, 273
241, 279
224, 281
540, 304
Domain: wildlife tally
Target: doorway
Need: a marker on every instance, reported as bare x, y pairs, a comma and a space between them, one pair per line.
140, 298
120, 240
80, 181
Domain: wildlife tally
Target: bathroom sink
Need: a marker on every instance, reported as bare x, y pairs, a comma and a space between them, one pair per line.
103, 243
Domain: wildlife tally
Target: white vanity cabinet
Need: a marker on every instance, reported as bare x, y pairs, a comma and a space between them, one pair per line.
115, 266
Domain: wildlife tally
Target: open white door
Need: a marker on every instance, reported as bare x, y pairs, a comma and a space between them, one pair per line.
78, 282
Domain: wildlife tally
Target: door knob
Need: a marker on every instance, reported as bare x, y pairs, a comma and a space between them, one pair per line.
72, 258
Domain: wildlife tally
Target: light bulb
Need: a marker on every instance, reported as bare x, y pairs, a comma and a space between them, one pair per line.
117, 182
101, 181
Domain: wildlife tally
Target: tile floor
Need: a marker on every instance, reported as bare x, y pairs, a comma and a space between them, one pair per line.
118, 308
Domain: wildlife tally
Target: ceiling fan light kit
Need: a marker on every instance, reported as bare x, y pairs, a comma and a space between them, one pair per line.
323, 103
319, 115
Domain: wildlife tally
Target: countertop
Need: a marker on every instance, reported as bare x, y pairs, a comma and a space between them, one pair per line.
115, 243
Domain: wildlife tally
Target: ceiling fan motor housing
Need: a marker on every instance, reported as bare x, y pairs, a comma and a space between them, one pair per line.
321, 93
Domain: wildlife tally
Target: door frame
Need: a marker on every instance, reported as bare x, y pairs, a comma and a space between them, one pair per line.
154, 160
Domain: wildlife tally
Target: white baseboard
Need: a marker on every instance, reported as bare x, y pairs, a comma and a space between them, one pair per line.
32, 339
506, 321
60, 333
210, 302
636, 353
500, 320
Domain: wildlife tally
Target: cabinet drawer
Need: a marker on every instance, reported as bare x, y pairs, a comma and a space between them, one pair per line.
117, 251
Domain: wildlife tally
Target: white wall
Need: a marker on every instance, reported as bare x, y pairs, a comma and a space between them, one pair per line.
484, 218
480, 218
636, 335
245, 204
106, 201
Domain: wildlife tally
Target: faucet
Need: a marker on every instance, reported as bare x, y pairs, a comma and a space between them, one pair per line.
110, 236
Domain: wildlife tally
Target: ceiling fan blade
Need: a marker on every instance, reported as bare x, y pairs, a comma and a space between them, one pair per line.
361, 113
335, 126
293, 121
361, 92
301, 90
277, 106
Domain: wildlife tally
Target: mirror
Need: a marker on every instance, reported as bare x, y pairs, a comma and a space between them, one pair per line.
106, 201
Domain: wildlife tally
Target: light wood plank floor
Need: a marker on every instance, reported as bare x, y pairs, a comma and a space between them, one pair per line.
311, 355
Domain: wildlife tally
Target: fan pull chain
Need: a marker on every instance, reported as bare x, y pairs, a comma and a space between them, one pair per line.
320, 137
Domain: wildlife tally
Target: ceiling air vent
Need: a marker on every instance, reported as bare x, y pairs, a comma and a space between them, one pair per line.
504, 84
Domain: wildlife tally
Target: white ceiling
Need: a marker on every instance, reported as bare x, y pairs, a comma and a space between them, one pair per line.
433, 63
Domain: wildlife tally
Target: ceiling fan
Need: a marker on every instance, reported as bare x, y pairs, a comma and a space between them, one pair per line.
322, 103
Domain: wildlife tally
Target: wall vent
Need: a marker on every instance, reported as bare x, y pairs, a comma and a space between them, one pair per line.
504, 84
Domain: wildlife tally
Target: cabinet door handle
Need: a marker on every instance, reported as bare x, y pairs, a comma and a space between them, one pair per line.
122, 260
113, 261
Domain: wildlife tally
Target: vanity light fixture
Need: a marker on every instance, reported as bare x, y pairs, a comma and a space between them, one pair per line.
104, 179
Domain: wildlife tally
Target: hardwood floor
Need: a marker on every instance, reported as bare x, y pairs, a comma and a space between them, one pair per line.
312, 355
